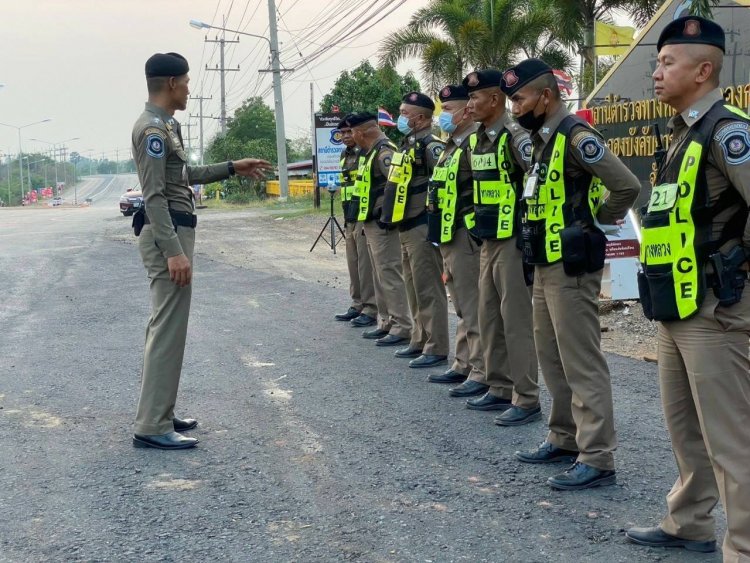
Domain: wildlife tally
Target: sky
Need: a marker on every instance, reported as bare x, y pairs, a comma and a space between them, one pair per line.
80, 63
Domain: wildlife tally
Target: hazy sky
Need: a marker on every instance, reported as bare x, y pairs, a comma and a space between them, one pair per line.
80, 62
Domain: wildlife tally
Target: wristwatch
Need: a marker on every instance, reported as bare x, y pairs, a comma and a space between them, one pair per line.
230, 167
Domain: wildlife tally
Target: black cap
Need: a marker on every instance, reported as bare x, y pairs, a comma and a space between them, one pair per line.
345, 121
418, 99
481, 79
692, 29
166, 64
453, 92
516, 77
360, 118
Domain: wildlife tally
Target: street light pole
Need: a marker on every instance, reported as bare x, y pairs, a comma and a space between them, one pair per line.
20, 151
273, 45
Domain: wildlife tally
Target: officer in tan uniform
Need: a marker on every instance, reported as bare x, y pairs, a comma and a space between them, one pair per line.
449, 200
166, 245
500, 154
363, 311
394, 321
405, 206
563, 207
695, 244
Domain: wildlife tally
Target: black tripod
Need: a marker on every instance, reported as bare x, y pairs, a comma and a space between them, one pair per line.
333, 222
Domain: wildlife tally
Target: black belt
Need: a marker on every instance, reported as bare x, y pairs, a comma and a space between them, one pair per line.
179, 219
409, 224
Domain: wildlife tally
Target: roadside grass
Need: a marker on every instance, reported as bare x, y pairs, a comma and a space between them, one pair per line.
292, 207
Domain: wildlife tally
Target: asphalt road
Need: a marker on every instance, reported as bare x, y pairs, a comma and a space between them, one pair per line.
315, 445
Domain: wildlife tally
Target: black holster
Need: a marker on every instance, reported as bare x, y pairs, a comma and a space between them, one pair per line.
139, 219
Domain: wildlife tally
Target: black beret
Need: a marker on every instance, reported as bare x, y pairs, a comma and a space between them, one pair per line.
481, 79
166, 64
516, 77
418, 99
345, 121
360, 118
453, 92
692, 29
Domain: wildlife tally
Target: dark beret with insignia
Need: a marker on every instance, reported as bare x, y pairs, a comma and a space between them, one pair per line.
355, 119
166, 64
344, 123
516, 77
418, 99
453, 92
692, 29
480, 79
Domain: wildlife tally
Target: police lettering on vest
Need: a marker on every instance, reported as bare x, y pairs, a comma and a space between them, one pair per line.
443, 195
676, 225
363, 186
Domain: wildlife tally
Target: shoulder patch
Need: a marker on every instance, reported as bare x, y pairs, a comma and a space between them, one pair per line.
591, 149
155, 145
154, 131
386, 160
436, 149
525, 148
734, 139
582, 134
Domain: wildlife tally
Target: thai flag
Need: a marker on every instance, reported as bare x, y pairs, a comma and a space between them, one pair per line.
564, 81
385, 119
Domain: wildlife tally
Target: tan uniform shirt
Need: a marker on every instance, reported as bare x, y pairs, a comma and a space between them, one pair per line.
728, 158
165, 175
588, 153
520, 142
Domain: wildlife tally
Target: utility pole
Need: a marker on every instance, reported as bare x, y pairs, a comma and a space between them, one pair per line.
189, 139
222, 42
200, 119
278, 103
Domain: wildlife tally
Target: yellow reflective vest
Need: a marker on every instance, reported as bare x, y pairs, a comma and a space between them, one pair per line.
442, 198
676, 225
363, 186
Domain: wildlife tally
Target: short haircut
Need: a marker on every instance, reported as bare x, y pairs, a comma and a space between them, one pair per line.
707, 53
549, 81
156, 84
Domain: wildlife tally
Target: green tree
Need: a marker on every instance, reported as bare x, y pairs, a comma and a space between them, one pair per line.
703, 8
299, 149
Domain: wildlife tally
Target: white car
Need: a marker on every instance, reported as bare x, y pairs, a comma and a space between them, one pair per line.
57, 201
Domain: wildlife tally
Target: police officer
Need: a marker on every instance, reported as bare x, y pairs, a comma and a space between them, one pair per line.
500, 154
166, 245
449, 200
695, 240
394, 322
405, 205
362, 312
564, 203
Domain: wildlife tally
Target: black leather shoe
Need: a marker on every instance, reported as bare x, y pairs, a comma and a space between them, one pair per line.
656, 537
547, 453
468, 388
170, 441
349, 315
374, 333
428, 361
581, 476
390, 340
362, 321
408, 352
183, 424
488, 402
517, 416
449, 376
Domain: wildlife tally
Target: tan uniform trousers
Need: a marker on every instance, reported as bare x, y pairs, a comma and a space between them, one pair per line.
428, 302
568, 342
165, 336
388, 277
461, 267
704, 374
361, 284
505, 325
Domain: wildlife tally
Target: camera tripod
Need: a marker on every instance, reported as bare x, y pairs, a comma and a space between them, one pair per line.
333, 223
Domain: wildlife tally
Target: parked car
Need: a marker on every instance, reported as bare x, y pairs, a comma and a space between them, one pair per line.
57, 201
131, 201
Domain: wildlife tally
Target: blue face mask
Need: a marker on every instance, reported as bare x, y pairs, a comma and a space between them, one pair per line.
445, 120
403, 124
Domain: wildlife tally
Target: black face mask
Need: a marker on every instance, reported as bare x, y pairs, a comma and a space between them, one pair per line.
532, 122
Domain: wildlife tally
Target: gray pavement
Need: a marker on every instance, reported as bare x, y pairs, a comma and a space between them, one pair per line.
315, 445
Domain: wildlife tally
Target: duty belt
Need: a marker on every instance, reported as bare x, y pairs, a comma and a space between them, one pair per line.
179, 219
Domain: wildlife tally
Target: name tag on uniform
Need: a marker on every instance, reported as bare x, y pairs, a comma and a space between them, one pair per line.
532, 180
663, 197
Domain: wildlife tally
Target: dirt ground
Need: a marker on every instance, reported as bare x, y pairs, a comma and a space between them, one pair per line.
285, 243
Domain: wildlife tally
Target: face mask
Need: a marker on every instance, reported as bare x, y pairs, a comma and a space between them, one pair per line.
445, 120
403, 124
532, 122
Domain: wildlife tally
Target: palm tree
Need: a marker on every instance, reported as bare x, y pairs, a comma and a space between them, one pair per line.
702, 8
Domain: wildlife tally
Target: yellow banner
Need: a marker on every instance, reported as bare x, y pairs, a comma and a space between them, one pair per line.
612, 39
